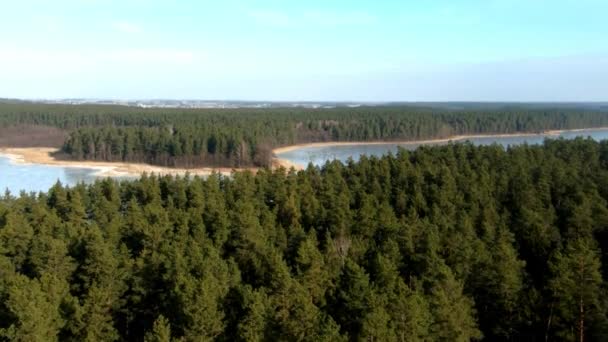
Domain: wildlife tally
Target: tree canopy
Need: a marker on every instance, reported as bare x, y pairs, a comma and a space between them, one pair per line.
246, 136
455, 242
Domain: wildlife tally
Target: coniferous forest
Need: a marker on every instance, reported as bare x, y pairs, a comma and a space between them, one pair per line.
245, 137
449, 243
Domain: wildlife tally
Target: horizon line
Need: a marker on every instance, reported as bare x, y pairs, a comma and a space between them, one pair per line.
42, 99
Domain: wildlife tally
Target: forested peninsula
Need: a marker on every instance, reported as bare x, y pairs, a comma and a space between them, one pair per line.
245, 137
445, 243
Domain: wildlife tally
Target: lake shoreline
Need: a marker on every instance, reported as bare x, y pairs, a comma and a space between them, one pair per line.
44, 156
453, 138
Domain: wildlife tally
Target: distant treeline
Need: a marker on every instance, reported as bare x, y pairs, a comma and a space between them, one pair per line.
445, 243
244, 137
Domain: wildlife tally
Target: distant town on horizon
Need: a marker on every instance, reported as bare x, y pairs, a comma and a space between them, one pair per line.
214, 103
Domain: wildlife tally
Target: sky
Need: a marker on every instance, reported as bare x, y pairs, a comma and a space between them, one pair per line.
313, 50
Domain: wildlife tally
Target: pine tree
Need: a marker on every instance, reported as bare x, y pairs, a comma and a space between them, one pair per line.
351, 298
311, 270
15, 238
376, 325
36, 315
453, 312
161, 331
576, 287
498, 285
253, 325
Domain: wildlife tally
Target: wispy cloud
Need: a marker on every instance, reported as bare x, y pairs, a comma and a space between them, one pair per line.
127, 27
324, 18
316, 18
271, 18
154, 55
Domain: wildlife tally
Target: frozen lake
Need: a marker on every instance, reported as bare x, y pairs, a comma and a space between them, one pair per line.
36, 177
318, 155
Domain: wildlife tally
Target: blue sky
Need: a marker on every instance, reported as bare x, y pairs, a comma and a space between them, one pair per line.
431, 50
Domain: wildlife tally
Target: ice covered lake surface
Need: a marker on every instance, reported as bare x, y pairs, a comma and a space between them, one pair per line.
36, 177
17, 177
318, 155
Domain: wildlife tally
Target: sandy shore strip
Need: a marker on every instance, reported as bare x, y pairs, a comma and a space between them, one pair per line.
290, 148
43, 155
